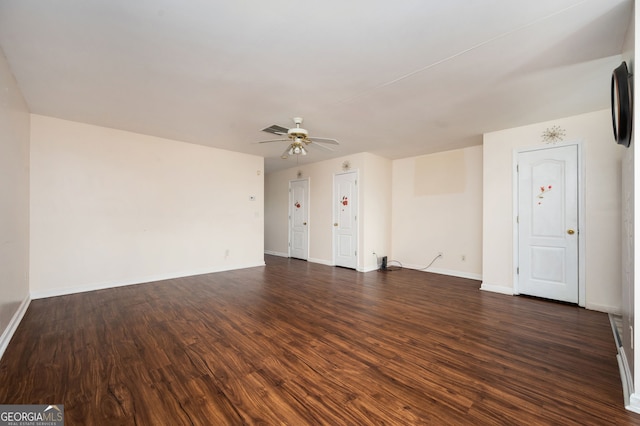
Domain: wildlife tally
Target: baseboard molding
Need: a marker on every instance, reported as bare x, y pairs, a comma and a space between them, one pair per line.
497, 289
634, 403
459, 274
320, 261
13, 325
311, 259
604, 308
627, 382
42, 294
449, 272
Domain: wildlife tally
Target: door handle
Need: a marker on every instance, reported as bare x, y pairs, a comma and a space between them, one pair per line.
335, 224
570, 231
304, 223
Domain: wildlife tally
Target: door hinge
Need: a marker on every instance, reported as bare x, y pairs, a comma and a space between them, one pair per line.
518, 219
517, 168
518, 270
355, 253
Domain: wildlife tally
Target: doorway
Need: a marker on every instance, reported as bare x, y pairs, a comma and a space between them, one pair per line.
299, 219
548, 223
345, 219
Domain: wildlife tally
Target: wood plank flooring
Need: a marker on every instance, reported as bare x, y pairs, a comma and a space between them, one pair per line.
300, 343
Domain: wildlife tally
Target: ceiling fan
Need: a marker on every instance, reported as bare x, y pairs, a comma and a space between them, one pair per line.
299, 139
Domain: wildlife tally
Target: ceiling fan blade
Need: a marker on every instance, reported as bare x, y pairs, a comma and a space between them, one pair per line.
274, 140
321, 145
325, 140
285, 154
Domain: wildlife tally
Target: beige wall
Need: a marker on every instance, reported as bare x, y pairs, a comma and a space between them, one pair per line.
110, 207
374, 176
376, 181
602, 164
437, 207
14, 203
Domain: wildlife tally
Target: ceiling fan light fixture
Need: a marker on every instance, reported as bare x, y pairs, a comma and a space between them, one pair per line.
297, 133
298, 139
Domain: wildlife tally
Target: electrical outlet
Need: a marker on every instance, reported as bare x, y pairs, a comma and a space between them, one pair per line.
440, 254
463, 257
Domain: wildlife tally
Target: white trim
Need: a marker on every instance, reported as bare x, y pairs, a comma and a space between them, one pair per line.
615, 310
321, 261
582, 229
625, 372
368, 269
311, 259
290, 213
13, 325
450, 272
276, 253
497, 289
460, 274
634, 403
358, 217
41, 294
625, 376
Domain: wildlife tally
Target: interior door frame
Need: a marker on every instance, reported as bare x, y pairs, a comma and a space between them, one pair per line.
290, 213
356, 173
582, 230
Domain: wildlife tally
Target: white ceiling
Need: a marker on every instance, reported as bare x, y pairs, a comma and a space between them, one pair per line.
395, 78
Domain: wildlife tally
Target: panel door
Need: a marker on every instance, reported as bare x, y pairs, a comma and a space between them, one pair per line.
345, 220
299, 219
548, 223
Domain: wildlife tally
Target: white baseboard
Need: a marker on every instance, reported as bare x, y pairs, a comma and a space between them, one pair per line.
13, 325
450, 272
311, 259
604, 308
459, 274
627, 379
41, 294
497, 289
634, 403
276, 253
320, 261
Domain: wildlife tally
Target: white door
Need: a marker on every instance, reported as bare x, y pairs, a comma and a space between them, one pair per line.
548, 223
299, 219
345, 227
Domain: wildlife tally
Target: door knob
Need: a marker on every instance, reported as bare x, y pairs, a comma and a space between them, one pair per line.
570, 231
304, 223
335, 224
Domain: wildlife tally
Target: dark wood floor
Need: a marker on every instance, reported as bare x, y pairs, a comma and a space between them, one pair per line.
300, 343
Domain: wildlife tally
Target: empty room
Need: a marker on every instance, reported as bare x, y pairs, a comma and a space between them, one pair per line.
328, 212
